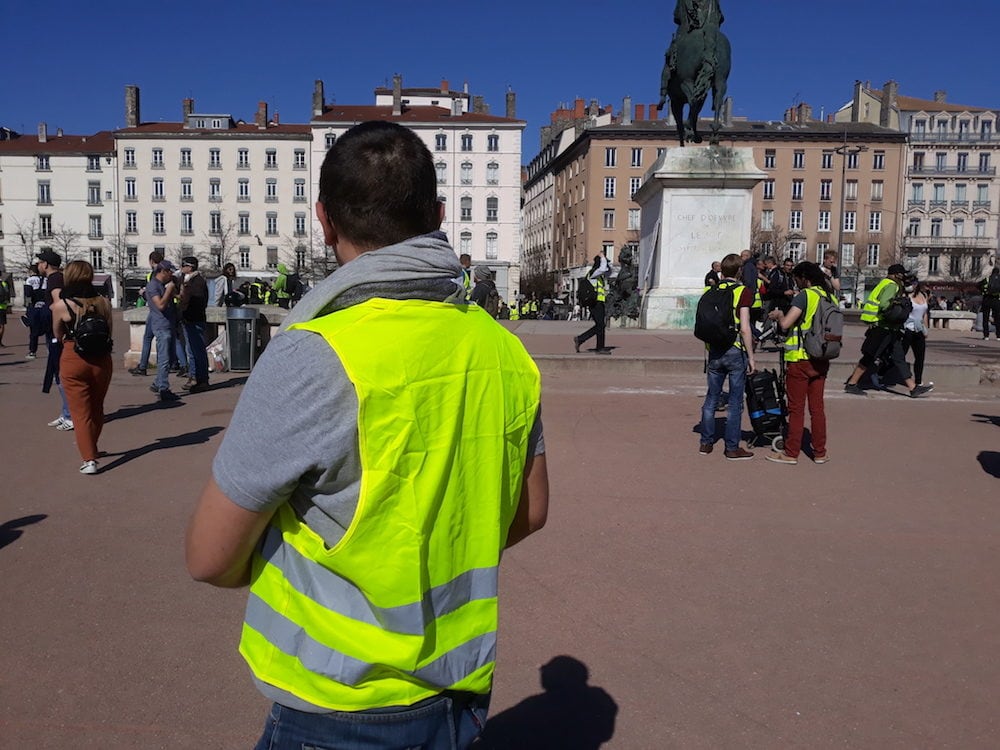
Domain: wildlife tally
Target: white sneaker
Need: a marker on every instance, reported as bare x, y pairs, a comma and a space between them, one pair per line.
88, 467
65, 425
56, 422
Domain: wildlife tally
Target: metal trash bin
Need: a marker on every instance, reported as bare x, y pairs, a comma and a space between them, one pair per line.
241, 337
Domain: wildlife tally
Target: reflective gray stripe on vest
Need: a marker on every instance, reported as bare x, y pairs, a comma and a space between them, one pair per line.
336, 593
285, 635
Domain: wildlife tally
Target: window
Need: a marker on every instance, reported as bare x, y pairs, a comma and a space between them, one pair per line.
131, 222
938, 195
768, 190
492, 209
847, 254
940, 161
875, 221
187, 222
798, 159
851, 190
442, 172
980, 227
45, 225
796, 190
960, 194
634, 219
958, 228
186, 189
933, 262
878, 160
918, 192
158, 227
877, 189
493, 142
850, 220
795, 220
215, 222
634, 183
491, 245
243, 159
821, 248
796, 250
852, 160
465, 243
983, 195
492, 173
767, 220
158, 158
95, 231
271, 190
963, 162
914, 229
97, 258
131, 256
300, 256
300, 158
984, 162
466, 173
244, 223
214, 159
609, 187
130, 194
185, 158
609, 218
769, 158
871, 257
466, 142
158, 189
827, 160
271, 255
975, 265
214, 190
299, 195
130, 157
330, 139
44, 193
465, 208
243, 190
93, 193
244, 258
610, 156
271, 159
441, 142
300, 225
935, 227
825, 189
824, 221
42, 163
918, 161
271, 225
955, 265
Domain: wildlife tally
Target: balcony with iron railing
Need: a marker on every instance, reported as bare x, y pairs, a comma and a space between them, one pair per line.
951, 243
928, 170
985, 205
970, 138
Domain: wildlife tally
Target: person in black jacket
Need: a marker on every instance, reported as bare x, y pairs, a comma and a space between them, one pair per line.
193, 303
990, 288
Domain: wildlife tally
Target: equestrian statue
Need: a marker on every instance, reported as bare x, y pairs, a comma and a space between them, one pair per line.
697, 62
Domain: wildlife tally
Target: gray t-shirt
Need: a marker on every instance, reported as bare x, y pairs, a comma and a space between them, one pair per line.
157, 319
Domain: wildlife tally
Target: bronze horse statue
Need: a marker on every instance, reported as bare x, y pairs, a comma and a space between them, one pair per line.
698, 61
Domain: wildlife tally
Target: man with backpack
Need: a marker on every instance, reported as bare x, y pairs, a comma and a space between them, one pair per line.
815, 326
885, 311
722, 321
596, 280
485, 293
990, 288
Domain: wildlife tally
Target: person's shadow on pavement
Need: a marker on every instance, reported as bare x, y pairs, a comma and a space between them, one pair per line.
569, 715
10, 531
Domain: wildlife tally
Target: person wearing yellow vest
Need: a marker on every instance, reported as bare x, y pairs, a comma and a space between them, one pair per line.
805, 378
733, 363
598, 275
515, 309
142, 366
466, 261
884, 341
371, 538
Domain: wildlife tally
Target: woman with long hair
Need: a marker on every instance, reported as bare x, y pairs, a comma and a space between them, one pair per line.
85, 377
915, 329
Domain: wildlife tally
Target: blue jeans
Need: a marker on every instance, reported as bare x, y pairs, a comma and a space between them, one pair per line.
180, 348
164, 345
147, 344
439, 723
733, 363
197, 356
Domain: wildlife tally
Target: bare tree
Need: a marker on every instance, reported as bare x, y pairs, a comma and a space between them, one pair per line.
27, 232
219, 248
772, 241
117, 258
64, 241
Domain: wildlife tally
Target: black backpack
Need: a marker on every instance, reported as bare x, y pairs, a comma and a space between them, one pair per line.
897, 311
91, 333
993, 285
714, 320
293, 286
586, 294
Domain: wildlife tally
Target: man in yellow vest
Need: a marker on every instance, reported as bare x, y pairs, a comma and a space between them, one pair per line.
466, 262
884, 337
598, 276
371, 535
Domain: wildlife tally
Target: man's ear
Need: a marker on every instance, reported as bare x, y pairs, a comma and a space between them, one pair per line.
440, 212
329, 231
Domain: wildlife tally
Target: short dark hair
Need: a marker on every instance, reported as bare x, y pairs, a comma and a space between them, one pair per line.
731, 265
155, 257
378, 185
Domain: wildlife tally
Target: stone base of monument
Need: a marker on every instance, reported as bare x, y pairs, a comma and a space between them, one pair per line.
696, 208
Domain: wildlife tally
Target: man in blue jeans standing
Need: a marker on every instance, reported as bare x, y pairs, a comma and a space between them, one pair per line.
734, 362
162, 319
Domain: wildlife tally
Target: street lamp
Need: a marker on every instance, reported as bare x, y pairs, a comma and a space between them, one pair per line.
845, 151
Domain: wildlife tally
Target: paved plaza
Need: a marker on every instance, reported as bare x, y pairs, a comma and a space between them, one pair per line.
715, 604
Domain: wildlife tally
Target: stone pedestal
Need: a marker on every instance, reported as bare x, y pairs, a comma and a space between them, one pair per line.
696, 208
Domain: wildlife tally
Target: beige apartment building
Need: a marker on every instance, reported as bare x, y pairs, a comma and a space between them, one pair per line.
951, 196
829, 186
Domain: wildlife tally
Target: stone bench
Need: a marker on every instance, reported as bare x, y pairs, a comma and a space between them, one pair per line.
956, 320
271, 318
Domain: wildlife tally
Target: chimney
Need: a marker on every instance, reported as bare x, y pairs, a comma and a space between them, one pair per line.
578, 110
261, 118
444, 86
319, 102
627, 110
890, 96
640, 112
478, 105
941, 96
789, 115
594, 109
275, 119
456, 107
397, 95
652, 112
187, 108
511, 105
43, 132
59, 132
132, 117
546, 132
856, 102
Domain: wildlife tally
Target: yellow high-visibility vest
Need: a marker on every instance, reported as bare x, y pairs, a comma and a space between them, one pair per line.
794, 349
870, 310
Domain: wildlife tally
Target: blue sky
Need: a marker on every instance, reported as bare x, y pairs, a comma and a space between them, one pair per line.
67, 63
